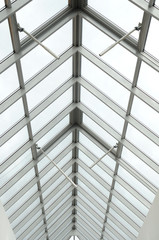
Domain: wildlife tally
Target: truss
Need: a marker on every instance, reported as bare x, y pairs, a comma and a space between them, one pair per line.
61, 105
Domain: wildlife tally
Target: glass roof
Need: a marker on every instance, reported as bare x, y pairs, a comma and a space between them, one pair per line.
95, 119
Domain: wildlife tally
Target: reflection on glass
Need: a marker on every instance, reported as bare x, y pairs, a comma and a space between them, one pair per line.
148, 81
100, 109
5, 40
141, 167
49, 84
143, 143
52, 110
105, 83
36, 13
38, 58
128, 11
118, 57
8, 82
153, 39
9, 117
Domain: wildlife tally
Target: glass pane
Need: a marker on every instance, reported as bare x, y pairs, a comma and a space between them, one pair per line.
128, 11
134, 183
123, 222
152, 39
106, 177
140, 167
17, 186
118, 57
5, 40
14, 168
90, 145
109, 162
1, 4
110, 234
127, 211
35, 60
8, 82
19, 203
90, 179
92, 194
145, 114
8, 118
100, 132
49, 84
99, 108
14, 143
54, 131
105, 83
130, 198
157, 3
52, 110
55, 152
36, 13
35, 229
148, 81
143, 143
25, 213
29, 223
118, 229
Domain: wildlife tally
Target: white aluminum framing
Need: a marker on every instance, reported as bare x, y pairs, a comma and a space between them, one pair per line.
89, 223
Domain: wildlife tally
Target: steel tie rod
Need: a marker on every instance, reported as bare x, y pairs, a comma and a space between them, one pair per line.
20, 29
69, 179
125, 36
104, 155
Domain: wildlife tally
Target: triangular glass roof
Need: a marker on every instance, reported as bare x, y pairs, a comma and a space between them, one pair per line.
76, 109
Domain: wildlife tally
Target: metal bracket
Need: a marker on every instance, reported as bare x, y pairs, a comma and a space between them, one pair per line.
121, 39
20, 29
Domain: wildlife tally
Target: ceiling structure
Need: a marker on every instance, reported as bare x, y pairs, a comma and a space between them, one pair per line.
76, 108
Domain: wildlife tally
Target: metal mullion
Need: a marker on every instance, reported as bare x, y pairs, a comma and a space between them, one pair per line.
7, 12
83, 237
90, 209
44, 236
89, 228
116, 135
84, 232
57, 212
39, 135
62, 231
56, 176
38, 78
91, 199
43, 32
129, 44
30, 165
93, 188
152, 11
31, 227
122, 227
38, 232
59, 221
136, 175
133, 191
124, 216
111, 229
129, 205
94, 158
107, 237
87, 233
58, 201
16, 197
28, 217
94, 175
42, 106
129, 119
94, 224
